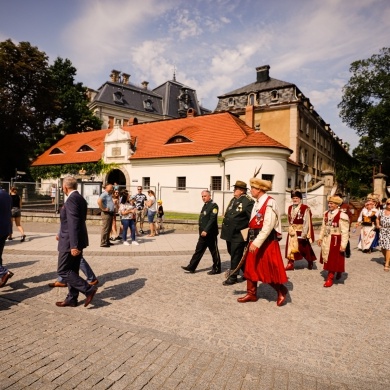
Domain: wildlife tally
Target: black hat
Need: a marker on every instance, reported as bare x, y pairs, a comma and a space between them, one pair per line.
297, 194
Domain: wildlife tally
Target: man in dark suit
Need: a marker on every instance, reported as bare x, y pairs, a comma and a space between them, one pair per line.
72, 239
208, 235
236, 218
5, 231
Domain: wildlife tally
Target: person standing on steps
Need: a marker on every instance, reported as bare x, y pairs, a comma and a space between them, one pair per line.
237, 216
300, 233
208, 236
264, 261
333, 240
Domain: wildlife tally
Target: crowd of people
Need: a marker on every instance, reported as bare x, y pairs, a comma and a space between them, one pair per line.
131, 210
251, 228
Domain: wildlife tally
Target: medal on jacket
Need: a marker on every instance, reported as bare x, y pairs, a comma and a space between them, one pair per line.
259, 218
239, 207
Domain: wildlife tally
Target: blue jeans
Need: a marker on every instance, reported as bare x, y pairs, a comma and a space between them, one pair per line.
86, 269
128, 223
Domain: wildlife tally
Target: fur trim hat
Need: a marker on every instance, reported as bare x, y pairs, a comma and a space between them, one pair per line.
296, 194
335, 199
260, 184
159, 201
240, 184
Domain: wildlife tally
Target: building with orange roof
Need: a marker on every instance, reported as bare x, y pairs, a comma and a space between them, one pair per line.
179, 157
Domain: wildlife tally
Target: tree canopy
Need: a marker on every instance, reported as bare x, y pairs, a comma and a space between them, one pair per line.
365, 107
38, 104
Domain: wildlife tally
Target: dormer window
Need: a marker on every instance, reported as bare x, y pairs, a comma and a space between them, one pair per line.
56, 151
231, 102
118, 97
274, 95
148, 105
251, 99
178, 139
85, 148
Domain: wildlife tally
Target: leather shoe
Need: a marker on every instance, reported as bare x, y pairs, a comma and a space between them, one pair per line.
191, 271
93, 283
90, 297
230, 281
66, 303
57, 284
105, 246
5, 278
214, 272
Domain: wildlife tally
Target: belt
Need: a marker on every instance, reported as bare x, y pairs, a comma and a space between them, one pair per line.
253, 233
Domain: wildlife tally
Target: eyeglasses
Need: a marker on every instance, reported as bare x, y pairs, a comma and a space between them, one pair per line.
139, 189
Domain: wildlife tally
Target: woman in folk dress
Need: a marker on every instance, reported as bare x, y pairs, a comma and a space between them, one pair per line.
368, 238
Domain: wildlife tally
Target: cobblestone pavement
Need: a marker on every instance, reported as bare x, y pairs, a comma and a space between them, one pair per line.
153, 326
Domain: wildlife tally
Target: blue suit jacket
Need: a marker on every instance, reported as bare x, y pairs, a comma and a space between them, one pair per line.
5, 214
73, 230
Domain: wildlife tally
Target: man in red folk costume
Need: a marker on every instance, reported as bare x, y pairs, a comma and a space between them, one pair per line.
300, 233
264, 261
333, 240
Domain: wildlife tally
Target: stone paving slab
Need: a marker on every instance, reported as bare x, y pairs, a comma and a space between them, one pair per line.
153, 326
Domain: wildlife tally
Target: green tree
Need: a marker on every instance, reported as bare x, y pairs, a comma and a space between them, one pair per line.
365, 107
24, 103
38, 104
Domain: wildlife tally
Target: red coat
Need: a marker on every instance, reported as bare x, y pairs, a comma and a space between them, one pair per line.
266, 264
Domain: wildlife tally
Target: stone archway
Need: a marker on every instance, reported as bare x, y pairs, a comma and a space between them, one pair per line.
116, 176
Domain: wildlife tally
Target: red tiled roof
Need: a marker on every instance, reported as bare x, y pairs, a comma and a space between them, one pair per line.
209, 135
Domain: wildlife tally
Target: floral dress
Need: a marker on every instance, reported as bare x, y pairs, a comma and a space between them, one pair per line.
384, 232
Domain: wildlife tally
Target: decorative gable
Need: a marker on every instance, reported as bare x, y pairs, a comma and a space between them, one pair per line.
117, 145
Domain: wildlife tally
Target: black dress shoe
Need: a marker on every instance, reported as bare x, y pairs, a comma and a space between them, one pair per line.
90, 297
214, 272
105, 246
230, 281
188, 269
5, 278
66, 303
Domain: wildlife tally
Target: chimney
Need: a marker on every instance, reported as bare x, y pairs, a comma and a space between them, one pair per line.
125, 78
145, 84
249, 116
191, 113
115, 75
262, 73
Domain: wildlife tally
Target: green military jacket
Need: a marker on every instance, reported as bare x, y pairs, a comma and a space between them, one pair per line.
237, 216
208, 219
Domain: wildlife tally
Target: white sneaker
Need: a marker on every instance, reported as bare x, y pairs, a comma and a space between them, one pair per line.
135, 243
126, 243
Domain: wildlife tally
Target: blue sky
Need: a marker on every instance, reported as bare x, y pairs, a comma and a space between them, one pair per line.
214, 45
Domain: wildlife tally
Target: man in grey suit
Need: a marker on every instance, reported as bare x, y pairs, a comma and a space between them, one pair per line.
5, 231
72, 239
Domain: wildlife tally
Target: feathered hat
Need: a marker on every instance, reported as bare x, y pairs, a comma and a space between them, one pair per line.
264, 185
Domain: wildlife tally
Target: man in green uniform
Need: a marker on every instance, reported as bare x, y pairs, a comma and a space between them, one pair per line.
208, 234
236, 218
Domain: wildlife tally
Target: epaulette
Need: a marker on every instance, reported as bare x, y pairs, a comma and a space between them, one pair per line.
248, 197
